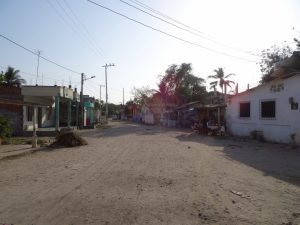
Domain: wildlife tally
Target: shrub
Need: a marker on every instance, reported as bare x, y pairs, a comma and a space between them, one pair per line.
5, 128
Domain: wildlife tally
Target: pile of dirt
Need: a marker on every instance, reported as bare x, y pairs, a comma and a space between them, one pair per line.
69, 139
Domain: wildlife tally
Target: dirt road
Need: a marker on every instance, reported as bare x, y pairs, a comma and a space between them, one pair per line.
132, 174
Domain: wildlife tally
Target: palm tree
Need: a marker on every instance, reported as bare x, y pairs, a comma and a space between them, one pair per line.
12, 77
221, 80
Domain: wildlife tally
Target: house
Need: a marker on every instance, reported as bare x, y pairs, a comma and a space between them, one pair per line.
53, 106
154, 109
89, 108
270, 109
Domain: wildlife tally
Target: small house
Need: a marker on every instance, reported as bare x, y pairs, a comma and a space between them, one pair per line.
270, 110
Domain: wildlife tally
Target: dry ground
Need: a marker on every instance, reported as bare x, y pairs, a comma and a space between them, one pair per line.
132, 174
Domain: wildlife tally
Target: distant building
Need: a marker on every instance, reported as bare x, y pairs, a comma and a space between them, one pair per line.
56, 106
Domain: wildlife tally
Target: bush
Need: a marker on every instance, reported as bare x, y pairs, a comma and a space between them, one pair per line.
5, 128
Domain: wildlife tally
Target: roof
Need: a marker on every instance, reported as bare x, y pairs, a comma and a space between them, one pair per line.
190, 104
212, 106
19, 102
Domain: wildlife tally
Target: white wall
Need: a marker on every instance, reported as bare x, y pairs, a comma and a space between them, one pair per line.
287, 121
28, 125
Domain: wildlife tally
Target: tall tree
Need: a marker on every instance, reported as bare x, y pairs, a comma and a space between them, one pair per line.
142, 94
221, 79
12, 77
269, 57
179, 85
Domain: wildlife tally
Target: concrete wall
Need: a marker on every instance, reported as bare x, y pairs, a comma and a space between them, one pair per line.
286, 121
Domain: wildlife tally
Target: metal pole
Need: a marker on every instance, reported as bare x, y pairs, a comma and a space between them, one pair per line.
100, 101
100, 105
123, 96
106, 110
81, 101
37, 68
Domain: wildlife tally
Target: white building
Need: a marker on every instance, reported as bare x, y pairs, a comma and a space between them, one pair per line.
271, 108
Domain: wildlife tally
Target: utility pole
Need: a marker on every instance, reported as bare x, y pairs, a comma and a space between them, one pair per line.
83, 78
37, 68
81, 101
123, 96
100, 102
105, 66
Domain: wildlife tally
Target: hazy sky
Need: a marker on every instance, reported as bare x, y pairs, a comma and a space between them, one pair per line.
140, 54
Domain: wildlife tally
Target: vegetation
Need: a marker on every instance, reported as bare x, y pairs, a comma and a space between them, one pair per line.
269, 57
11, 77
221, 80
142, 94
179, 85
5, 128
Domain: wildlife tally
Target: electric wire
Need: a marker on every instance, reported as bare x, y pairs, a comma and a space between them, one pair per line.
88, 34
79, 29
187, 30
171, 35
42, 57
71, 27
166, 16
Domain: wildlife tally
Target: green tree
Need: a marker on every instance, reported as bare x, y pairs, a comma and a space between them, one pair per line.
5, 128
221, 79
141, 95
1, 78
179, 85
269, 57
12, 77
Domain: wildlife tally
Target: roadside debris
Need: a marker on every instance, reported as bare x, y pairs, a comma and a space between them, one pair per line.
69, 139
240, 194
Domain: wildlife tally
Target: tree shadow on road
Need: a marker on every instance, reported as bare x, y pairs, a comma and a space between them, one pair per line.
276, 160
126, 128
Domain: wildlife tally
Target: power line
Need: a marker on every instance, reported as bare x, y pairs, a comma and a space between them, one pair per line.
187, 30
170, 35
34, 53
88, 34
71, 27
165, 16
80, 31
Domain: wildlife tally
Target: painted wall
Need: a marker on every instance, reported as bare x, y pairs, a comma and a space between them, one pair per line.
46, 91
47, 118
286, 121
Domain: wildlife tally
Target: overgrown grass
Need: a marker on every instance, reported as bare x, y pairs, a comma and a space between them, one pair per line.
24, 141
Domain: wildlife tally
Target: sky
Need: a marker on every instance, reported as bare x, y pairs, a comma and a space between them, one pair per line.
82, 36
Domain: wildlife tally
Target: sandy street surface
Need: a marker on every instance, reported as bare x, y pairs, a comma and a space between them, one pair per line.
135, 174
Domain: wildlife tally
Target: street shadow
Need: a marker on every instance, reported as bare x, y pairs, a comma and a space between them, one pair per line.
276, 160
117, 129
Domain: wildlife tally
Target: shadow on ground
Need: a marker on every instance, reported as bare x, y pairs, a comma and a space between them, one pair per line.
276, 160
126, 128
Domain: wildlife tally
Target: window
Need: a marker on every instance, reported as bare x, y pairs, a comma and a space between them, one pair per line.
267, 109
245, 109
29, 113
